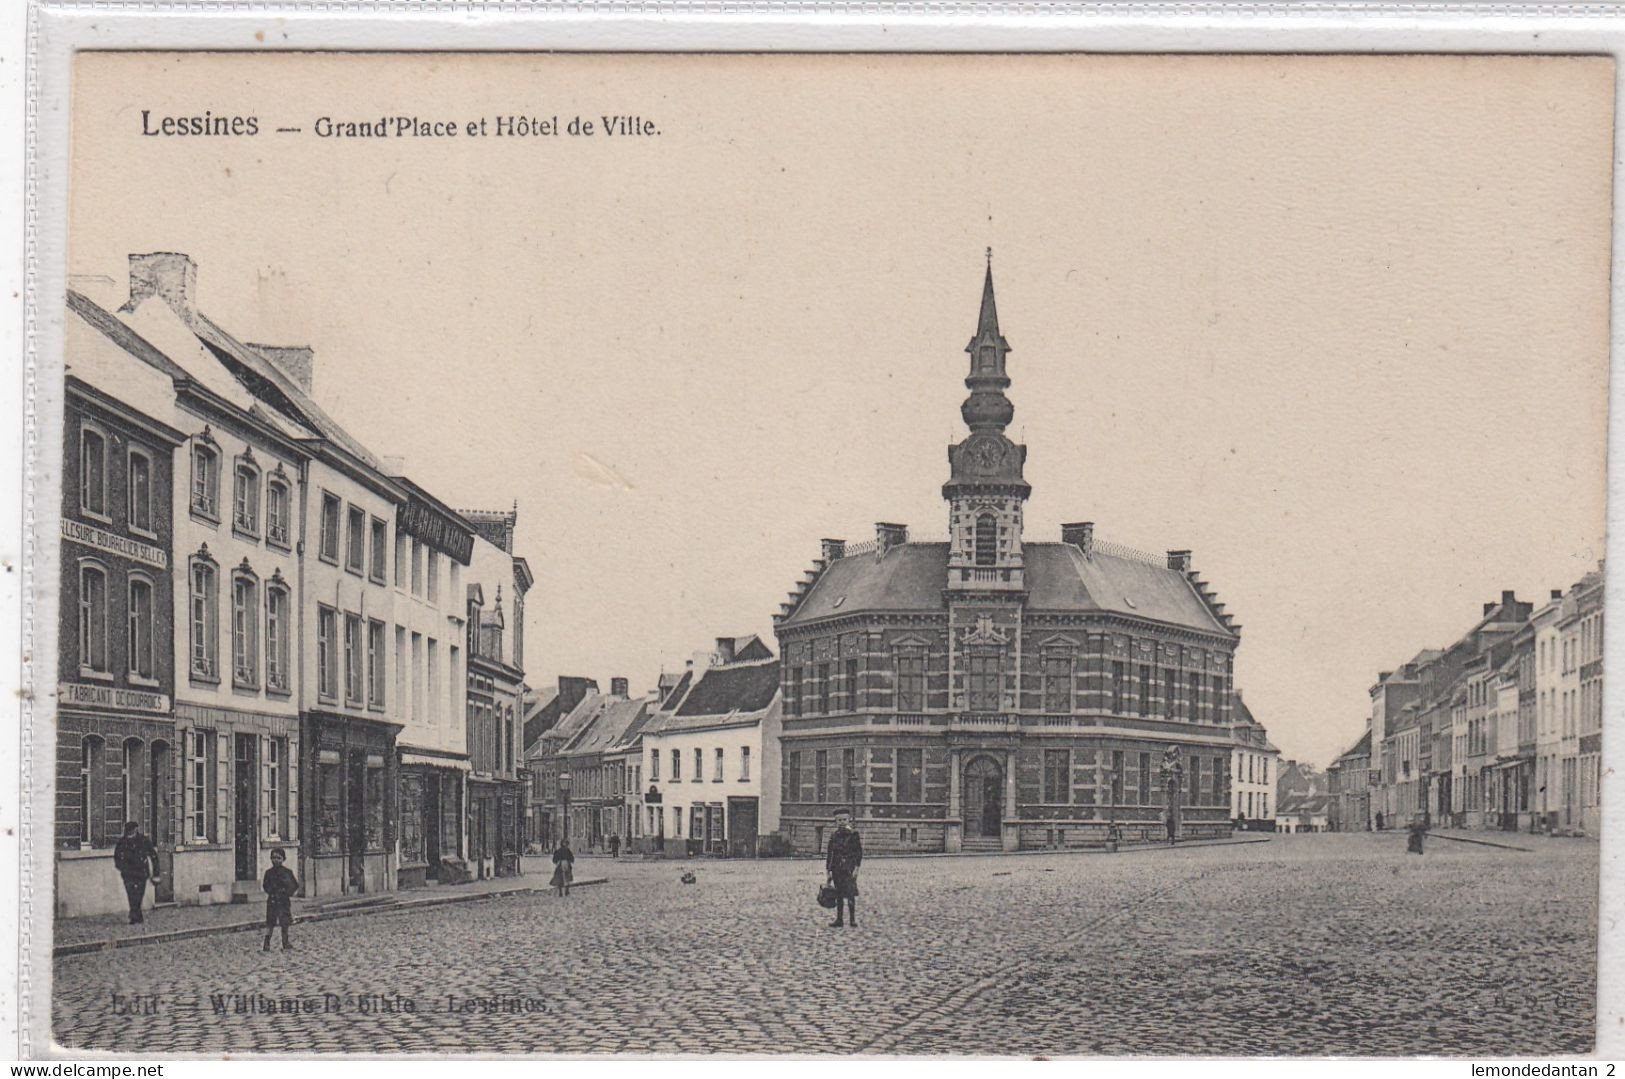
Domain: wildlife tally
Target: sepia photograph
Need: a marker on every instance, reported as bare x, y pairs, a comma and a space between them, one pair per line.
694, 554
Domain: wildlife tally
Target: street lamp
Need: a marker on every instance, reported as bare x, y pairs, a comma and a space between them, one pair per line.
564, 798
1172, 774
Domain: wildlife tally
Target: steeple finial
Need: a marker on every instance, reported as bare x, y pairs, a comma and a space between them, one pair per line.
989, 321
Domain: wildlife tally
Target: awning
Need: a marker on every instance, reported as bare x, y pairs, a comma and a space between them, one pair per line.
430, 761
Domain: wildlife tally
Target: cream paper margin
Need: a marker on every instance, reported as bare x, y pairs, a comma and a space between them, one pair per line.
1111, 28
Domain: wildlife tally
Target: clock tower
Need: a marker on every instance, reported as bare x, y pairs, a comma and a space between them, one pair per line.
985, 489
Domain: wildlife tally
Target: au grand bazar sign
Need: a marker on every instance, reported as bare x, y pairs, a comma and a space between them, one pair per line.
113, 543
79, 694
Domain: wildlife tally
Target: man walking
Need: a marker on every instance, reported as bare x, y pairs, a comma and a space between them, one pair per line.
841, 863
615, 845
133, 855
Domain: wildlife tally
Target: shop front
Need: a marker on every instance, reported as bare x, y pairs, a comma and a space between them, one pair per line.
352, 767
430, 800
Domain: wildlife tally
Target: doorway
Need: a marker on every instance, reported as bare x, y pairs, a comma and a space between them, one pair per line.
431, 824
163, 889
984, 797
355, 819
245, 822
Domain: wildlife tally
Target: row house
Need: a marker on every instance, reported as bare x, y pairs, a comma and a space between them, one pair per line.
116, 739
496, 674
1254, 763
990, 692
242, 575
592, 765
1348, 788
1500, 714
433, 549
711, 755
545, 709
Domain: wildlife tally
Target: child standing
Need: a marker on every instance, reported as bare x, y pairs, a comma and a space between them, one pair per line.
280, 886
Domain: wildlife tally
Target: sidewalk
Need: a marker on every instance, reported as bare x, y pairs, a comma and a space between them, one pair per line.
76, 936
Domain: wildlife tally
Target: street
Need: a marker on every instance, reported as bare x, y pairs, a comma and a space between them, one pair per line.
1307, 944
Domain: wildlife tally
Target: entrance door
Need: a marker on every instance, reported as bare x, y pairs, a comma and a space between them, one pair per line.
246, 817
163, 836
431, 824
742, 825
983, 793
355, 819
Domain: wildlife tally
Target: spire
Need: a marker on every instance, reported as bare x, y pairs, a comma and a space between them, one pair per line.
988, 324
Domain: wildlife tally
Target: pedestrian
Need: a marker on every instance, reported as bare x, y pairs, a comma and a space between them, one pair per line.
132, 857
280, 885
841, 864
1419, 828
615, 845
564, 867
1379, 820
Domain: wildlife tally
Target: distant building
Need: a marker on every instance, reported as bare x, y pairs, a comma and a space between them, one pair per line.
545, 709
1348, 788
1303, 813
1254, 763
711, 755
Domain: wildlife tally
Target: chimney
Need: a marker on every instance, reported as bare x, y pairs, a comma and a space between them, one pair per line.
1081, 534
1180, 560
1509, 599
725, 650
298, 362
617, 687
1557, 593
1488, 607
833, 550
168, 275
889, 535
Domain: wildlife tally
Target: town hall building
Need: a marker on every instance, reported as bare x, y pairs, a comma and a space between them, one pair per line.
993, 692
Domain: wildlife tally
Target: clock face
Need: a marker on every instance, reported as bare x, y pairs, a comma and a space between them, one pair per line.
986, 453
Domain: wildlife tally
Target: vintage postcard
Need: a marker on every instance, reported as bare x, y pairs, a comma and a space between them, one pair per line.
979, 554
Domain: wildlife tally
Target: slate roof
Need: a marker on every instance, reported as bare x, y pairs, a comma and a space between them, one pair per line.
608, 724
912, 577
670, 701
738, 692
1362, 748
122, 335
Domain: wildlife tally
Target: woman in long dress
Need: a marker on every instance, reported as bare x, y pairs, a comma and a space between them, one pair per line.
564, 867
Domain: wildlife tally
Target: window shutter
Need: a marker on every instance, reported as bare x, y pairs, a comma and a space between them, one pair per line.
222, 795
291, 756
267, 825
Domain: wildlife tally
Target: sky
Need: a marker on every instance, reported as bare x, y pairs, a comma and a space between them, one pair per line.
1337, 325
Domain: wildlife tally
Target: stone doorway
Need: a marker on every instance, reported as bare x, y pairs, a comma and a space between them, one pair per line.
983, 797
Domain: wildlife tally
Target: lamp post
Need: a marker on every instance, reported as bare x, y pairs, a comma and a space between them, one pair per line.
1173, 774
564, 799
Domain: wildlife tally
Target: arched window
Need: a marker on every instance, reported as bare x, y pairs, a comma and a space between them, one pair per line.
206, 477
92, 799
204, 616
245, 511
140, 644
92, 617
987, 540
93, 471
245, 628
140, 491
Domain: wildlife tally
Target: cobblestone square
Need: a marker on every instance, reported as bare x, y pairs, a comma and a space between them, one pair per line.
1307, 944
